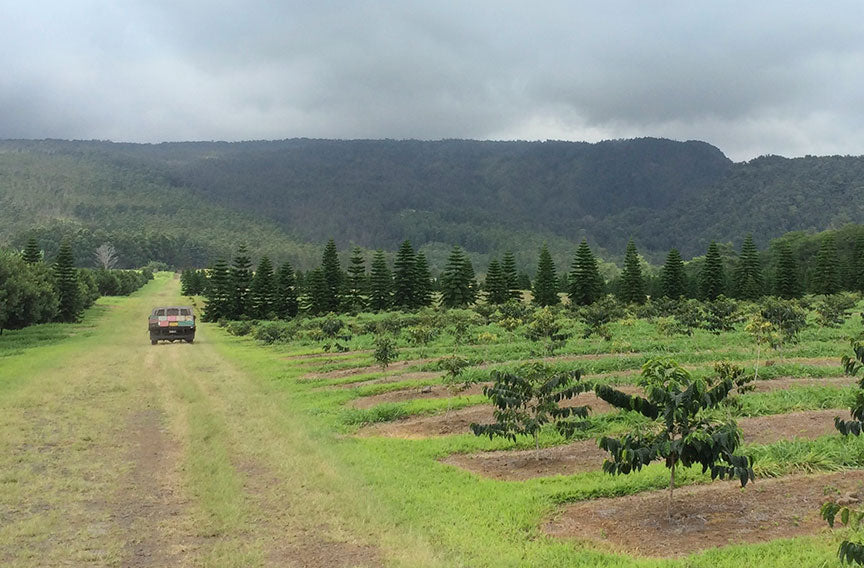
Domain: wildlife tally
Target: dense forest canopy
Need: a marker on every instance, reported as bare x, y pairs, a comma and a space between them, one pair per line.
188, 203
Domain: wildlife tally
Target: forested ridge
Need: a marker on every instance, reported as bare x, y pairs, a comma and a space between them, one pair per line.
191, 202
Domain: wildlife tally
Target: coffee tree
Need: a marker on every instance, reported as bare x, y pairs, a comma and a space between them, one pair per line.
385, 351
529, 398
683, 430
545, 327
851, 551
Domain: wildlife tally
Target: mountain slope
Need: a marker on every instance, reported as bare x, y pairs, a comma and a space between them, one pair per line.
486, 196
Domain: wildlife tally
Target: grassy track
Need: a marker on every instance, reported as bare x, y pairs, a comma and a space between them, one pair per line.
117, 453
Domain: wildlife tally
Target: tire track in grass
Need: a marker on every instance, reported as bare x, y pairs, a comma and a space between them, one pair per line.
259, 515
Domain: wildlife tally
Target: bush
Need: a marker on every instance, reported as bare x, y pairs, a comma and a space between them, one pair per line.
270, 332
238, 328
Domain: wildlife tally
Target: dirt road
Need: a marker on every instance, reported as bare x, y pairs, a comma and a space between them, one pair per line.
114, 452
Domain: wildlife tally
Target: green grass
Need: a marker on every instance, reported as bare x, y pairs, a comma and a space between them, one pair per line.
480, 522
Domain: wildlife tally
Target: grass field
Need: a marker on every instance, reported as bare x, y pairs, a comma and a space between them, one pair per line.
229, 452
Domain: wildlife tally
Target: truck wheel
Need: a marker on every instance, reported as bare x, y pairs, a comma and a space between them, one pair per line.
190, 340
153, 342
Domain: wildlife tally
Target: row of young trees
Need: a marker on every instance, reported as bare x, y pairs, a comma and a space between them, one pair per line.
33, 291
236, 291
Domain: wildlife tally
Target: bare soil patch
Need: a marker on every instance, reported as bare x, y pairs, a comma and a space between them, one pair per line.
413, 376
148, 499
404, 395
782, 383
326, 354
459, 421
707, 516
342, 373
292, 545
584, 456
806, 425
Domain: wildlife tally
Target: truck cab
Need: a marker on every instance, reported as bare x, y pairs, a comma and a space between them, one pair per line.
172, 323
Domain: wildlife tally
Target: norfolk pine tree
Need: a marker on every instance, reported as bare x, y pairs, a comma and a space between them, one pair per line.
826, 280
331, 271
318, 293
31, 253
546, 284
404, 277
355, 298
495, 285
456, 281
241, 277
286, 292
262, 291
380, 283
219, 292
511, 277
672, 278
586, 284
748, 274
786, 278
422, 281
632, 285
857, 265
66, 284
712, 281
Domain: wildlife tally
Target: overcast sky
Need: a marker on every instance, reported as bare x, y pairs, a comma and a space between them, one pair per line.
749, 77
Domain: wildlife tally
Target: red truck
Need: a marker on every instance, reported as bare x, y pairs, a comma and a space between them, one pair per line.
172, 323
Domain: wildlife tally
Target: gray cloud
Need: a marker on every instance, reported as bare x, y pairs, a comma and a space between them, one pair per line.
770, 77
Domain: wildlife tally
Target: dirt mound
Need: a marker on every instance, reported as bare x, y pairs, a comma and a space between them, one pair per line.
459, 421
352, 371
704, 517
585, 456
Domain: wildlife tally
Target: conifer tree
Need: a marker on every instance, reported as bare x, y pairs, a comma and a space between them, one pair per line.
786, 278
826, 280
286, 292
456, 281
219, 293
546, 283
66, 284
263, 290
331, 270
857, 265
511, 277
712, 281
496, 286
748, 274
404, 277
32, 253
586, 284
318, 293
422, 281
380, 284
356, 291
241, 276
672, 277
632, 284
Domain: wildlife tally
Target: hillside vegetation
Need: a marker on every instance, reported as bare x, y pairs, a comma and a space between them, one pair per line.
186, 203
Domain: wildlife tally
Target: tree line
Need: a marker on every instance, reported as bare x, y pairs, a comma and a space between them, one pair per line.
237, 291
33, 291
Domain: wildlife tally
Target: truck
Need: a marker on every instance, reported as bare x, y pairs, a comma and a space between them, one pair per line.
172, 323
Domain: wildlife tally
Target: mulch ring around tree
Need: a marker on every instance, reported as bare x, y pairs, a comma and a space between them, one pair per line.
584, 456
706, 516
